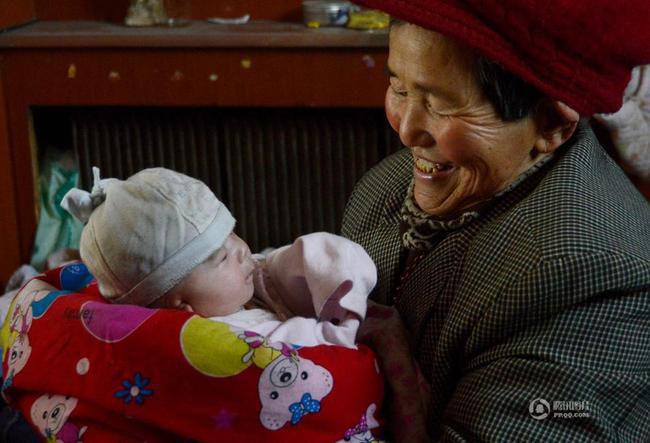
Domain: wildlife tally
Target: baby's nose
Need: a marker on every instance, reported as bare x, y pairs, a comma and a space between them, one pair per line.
243, 255
248, 263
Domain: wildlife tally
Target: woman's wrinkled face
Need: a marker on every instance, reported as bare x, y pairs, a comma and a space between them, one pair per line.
463, 152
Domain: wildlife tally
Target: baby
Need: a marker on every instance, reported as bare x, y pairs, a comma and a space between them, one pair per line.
162, 239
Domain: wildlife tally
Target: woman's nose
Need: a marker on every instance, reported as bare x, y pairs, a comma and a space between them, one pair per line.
414, 128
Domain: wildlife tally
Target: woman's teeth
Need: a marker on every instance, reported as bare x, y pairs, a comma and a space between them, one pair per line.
430, 167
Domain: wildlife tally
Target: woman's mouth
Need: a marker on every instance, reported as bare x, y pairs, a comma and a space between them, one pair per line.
428, 169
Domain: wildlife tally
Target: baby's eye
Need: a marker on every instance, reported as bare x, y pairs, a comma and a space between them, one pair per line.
216, 259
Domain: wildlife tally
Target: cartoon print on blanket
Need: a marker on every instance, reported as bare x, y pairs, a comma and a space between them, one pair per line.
362, 432
33, 303
290, 388
21, 316
116, 369
17, 356
50, 414
262, 352
18, 347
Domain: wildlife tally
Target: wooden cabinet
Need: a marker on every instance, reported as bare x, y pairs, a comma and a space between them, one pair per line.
89, 63
16, 12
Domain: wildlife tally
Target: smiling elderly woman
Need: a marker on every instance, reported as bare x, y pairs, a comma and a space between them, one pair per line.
515, 250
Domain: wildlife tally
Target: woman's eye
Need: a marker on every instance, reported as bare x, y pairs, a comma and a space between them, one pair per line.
401, 93
433, 111
397, 87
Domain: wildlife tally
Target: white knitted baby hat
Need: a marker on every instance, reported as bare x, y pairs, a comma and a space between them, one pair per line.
145, 234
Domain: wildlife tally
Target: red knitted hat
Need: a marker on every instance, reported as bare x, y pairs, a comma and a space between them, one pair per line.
578, 51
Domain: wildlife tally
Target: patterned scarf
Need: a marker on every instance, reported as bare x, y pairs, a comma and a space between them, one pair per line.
421, 231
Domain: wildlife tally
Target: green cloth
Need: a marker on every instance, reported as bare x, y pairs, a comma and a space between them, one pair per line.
56, 229
544, 298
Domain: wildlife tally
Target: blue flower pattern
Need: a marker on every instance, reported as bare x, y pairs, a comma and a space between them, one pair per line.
134, 390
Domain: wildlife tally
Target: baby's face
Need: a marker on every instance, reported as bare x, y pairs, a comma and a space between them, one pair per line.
219, 286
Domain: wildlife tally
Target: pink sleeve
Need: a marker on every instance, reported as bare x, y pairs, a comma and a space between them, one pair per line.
323, 275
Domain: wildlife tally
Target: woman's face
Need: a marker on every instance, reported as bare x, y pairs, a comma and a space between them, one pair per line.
463, 152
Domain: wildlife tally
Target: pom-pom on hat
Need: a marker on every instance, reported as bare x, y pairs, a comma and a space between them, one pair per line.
578, 51
145, 234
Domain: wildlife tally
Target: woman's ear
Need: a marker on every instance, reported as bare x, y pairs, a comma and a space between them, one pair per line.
556, 123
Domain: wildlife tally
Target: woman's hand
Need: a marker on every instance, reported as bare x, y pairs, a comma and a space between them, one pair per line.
407, 391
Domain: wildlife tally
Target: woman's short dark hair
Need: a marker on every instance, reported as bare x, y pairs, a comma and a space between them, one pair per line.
512, 97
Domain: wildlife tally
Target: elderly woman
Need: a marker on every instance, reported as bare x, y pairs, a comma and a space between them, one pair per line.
515, 250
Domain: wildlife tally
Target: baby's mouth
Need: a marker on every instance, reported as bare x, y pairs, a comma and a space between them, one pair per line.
429, 167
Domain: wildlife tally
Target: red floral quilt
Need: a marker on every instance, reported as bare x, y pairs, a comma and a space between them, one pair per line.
81, 369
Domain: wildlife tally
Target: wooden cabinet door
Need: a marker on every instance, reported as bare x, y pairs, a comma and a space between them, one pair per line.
16, 12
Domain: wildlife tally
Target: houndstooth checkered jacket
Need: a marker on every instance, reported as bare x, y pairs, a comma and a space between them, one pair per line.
542, 301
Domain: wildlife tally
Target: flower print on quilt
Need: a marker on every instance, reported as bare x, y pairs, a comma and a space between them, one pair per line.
136, 390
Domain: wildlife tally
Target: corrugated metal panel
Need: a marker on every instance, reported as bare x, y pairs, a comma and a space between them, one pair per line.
281, 172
